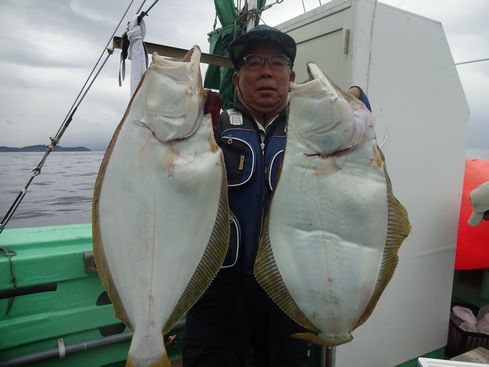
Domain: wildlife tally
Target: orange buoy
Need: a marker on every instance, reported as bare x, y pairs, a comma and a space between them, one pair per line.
472, 242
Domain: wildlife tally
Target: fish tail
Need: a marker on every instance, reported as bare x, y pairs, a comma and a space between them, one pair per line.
319, 340
147, 351
161, 361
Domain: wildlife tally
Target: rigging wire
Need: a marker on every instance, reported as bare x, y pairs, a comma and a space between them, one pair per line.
144, 13
272, 4
66, 122
258, 13
471, 61
93, 69
141, 6
151, 7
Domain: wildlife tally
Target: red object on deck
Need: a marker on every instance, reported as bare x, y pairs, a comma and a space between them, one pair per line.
472, 242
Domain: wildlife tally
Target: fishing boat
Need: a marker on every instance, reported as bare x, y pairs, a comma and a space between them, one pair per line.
55, 312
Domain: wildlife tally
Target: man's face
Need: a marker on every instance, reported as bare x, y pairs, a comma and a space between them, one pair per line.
263, 90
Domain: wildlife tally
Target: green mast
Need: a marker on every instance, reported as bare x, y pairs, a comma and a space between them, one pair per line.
233, 24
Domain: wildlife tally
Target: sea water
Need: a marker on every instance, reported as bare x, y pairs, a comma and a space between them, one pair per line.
61, 194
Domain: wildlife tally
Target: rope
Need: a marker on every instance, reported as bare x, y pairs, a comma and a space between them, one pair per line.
13, 280
66, 122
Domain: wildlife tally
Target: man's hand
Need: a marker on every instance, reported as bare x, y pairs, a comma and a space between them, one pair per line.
355, 92
213, 103
479, 199
359, 94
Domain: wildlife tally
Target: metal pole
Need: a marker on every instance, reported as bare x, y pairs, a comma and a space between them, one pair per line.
252, 20
54, 353
328, 357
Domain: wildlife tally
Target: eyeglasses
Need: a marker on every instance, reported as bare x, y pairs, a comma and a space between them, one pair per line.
255, 61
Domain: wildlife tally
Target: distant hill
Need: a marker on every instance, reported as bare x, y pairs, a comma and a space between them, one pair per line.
42, 148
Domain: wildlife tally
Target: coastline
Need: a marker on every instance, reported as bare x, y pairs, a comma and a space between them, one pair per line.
42, 148
477, 153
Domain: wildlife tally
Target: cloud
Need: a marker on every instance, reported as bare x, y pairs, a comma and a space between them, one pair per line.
475, 78
50, 46
467, 32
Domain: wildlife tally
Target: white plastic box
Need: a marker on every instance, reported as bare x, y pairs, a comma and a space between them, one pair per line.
429, 362
403, 62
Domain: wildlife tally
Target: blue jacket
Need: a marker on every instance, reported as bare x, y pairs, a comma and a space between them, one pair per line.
253, 158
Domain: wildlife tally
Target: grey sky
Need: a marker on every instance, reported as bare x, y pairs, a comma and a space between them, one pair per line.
48, 47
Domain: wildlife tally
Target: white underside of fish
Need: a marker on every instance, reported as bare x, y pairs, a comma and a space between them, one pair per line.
157, 202
328, 229
334, 212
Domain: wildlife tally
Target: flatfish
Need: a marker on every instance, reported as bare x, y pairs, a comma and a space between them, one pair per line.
330, 239
160, 210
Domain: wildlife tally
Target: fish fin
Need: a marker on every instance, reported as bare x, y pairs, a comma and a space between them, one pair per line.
398, 228
97, 243
147, 348
269, 278
104, 273
163, 361
211, 260
318, 340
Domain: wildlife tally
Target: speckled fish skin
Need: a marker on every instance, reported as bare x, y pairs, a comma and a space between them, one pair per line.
160, 210
330, 240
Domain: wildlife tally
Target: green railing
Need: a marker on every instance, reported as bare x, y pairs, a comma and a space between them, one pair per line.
59, 307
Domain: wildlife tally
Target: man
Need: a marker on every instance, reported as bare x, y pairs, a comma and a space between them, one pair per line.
235, 320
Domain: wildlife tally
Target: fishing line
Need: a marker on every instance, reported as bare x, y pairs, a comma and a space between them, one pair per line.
144, 13
54, 140
385, 138
70, 111
272, 4
260, 12
66, 122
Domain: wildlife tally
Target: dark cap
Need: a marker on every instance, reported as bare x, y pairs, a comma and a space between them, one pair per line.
261, 33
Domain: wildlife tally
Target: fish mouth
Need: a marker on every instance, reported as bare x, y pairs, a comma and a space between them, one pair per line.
192, 60
188, 56
310, 72
193, 56
316, 83
315, 73
177, 96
